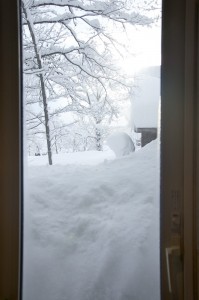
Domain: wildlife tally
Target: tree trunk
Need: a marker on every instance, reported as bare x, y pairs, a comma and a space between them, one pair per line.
46, 118
43, 90
56, 148
98, 139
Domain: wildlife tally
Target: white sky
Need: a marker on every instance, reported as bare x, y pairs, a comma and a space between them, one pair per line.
144, 47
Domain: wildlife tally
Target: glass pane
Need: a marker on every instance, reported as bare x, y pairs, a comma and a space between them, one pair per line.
91, 106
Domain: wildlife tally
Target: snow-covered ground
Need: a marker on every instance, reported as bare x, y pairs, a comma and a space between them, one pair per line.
92, 229
74, 158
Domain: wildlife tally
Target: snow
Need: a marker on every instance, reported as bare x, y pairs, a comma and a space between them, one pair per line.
95, 23
145, 105
74, 158
92, 231
121, 144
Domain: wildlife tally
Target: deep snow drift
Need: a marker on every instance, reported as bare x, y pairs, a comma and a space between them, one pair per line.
92, 232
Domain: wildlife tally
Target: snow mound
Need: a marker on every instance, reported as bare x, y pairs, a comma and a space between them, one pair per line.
121, 144
91, 232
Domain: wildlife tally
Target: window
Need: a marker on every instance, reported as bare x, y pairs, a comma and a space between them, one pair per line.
91, 228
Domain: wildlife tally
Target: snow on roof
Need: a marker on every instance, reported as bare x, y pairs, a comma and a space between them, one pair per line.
146, 99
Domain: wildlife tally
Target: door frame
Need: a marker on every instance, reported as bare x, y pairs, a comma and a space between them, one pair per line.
10, 152
178, 146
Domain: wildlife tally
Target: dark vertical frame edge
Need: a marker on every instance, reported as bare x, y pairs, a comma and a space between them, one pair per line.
21, 152
11, 171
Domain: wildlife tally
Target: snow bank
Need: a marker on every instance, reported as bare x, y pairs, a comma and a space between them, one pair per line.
91, 232
75, 158
121, 144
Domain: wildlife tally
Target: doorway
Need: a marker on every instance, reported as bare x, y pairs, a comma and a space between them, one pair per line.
10, 148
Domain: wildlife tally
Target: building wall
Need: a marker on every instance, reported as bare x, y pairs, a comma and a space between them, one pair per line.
147, 135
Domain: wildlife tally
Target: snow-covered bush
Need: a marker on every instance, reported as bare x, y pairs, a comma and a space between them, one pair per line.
121, 144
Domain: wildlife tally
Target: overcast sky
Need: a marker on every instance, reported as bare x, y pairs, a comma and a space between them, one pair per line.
145, 48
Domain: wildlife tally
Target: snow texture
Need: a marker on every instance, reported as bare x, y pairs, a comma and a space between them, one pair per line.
73, 158
145, 105
92, 232
121, 144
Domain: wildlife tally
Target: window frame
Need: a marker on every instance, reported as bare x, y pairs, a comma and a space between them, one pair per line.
179, 98
10, 152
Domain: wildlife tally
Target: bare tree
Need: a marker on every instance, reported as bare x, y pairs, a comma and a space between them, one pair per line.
68, 41
100, 105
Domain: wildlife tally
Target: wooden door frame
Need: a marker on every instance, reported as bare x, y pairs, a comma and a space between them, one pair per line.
10, 152
190, 151
178, 141
178, 151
